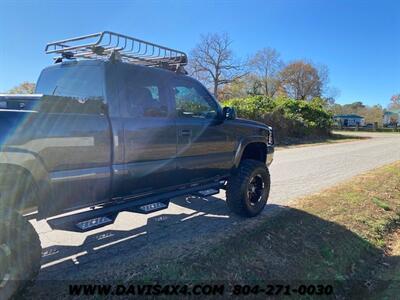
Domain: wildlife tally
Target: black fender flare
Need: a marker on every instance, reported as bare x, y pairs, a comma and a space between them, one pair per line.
27, 165
243, 143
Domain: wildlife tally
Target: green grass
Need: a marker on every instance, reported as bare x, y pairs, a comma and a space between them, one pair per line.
381, 204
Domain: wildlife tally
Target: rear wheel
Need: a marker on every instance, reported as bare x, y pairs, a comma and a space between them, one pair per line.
248, 188
20, 254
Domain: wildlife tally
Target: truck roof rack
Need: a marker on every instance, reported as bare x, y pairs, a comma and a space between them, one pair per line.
113, 45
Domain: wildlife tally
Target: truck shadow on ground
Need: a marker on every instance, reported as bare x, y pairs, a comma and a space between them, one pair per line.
297, 241
187, 218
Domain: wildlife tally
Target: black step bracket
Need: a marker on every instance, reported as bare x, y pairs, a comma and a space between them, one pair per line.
151, 207
94, 223
208, 192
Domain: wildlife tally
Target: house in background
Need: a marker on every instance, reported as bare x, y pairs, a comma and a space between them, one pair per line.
391, 117
350, 120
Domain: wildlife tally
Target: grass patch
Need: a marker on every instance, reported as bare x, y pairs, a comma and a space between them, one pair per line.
381, 204
339, 234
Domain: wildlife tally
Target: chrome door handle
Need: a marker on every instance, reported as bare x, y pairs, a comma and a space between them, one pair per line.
186, 132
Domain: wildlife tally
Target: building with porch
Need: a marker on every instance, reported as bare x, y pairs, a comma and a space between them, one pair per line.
349, 120
391, 117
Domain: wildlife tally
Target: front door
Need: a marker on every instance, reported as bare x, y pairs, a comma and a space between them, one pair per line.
205, 145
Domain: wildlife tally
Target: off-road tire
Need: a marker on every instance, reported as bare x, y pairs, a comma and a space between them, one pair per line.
237, 193
20, 254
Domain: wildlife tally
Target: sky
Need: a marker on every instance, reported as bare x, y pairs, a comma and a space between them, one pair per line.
358, 40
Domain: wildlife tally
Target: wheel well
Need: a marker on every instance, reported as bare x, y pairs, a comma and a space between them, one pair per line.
256, 151
15, 182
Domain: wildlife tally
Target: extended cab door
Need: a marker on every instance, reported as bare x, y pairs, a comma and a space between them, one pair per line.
205, 146
149, 132
70, 135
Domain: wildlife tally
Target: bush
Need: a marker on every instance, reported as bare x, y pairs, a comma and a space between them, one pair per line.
253, 108
311, 114
289, 117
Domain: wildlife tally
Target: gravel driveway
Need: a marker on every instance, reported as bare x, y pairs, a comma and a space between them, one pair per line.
192, 221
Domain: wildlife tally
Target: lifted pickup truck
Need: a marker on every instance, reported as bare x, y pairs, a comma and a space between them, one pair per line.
116, 125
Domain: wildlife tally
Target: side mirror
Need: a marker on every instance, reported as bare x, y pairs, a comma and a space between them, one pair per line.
104, 108
229, 113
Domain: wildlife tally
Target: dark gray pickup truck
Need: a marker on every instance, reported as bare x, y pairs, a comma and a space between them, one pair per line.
116, 125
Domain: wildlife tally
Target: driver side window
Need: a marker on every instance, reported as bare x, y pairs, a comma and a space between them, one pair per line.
193, 102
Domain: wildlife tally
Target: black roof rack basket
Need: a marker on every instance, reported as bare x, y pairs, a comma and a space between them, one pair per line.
108, 44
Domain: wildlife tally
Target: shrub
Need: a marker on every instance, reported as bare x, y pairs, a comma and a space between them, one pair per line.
289, 117
311, 114
253, 108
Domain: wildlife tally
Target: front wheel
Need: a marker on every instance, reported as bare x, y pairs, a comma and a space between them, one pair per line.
20, 254
248, 188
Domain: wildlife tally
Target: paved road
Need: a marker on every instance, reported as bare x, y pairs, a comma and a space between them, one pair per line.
304, 170
295, 172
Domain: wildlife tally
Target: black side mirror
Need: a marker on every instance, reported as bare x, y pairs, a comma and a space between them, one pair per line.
104, 108
229, 113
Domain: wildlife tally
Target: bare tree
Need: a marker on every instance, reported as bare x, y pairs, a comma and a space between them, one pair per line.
240, 88
332, 94
212, 61
394, 102
266, 64
23, 88
303, 81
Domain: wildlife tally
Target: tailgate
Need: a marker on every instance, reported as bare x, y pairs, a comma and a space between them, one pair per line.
19, 102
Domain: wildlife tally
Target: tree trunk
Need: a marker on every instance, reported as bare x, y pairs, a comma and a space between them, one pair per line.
216, 81
216, 89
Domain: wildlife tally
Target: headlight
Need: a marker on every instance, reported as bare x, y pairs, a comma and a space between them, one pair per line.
270, 137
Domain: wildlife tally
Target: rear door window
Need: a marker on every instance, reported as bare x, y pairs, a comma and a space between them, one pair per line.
145, 95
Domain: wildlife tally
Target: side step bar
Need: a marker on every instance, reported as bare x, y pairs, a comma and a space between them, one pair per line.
106, 214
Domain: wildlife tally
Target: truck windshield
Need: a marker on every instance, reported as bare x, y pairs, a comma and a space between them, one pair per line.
82, 83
